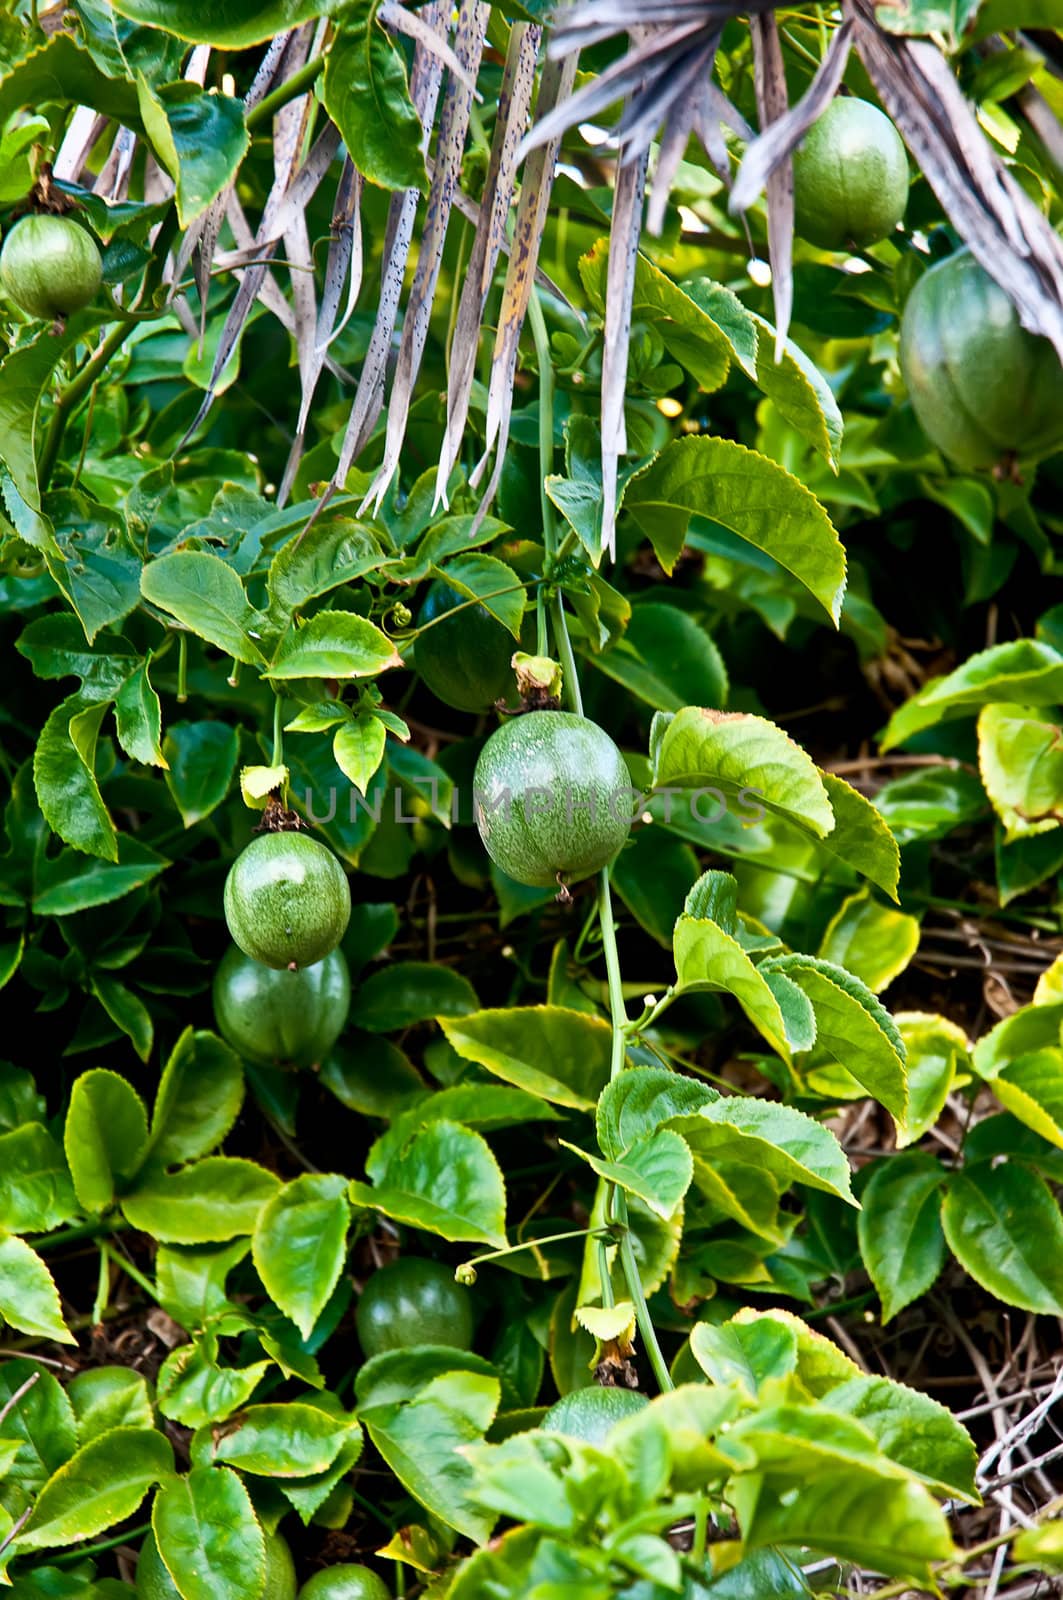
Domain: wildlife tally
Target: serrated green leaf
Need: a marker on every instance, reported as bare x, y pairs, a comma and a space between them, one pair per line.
445, 1180
206, 596
852, 1027
198, 1100
300, 1243
29, 1300
65, 779
101, 1485
561, 1055
334, 644
899, 1228
1003, 1225
105, 1136
208, 1536
210, 1201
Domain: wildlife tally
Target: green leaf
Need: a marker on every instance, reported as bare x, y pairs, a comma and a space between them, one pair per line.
745, 757
666, 659
1022, 672
852, 1027
201, 757
861, 837
936, 1051
41, 1424
747, 1353
1003, 1225
800, 393
199, 138
195, 1391
1020, 757
127, 1011
775, 1138
29, 1299
1031, 1087
872, 941
657, 1169
109, 1397
36, 1193
423, 1442
690, 334
300, 1245
899, 1228
651, 876
359, 749
24, 375
368, 98
198, 1100
641, 1100
308, 1495
72, 882
105, 1136
445, 1180
496, 586
706, 958
913, 1430
1041, 1546
561, 1055
206, 596
207, 1202
65, 780
101, 1485
748, 494
406, 992
233, 24
334, 644
209, 1537
320, 559
138, 716
276, 1440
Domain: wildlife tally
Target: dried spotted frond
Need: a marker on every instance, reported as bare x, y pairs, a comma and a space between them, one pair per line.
769, 75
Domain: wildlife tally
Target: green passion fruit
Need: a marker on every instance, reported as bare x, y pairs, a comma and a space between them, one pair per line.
590, 1413
287, 900
986, 392
553, 798
465, 658
345, 1582
413, 1301
50, 267
850, 177
281, 1018
154, 1582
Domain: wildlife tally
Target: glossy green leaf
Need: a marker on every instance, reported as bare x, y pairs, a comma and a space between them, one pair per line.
852, 1027
36, 1193
195, 1391
561, 1055
209, 1201
747, 1353
775, 1138
367, 96
493, 584
300, 1244
109, 1397
900, 1233
1004, 1226
667, 660
1020, 758
282, 1440
105, 1136
936, 1051
872, 941
138, 716
913, 1430
201, 758
657, 1169
861, 836
41, 1423
65, 779
198, 1100
29, 1300
748, 494
127, 1011
199, 138
1022, 672
209, 1537
359, 749
706, 958
319, 559
641, 1100
405, 992
445, 1180
334, 644
101, 1485
233, 25
206, 596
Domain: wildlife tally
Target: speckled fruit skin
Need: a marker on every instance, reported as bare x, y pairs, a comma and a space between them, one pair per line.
464, 660
982, 387
850, 177
413, 1301
553, 798
345, 1582
281, 1018
50, 267
287, 900
588, 1414
154, 1581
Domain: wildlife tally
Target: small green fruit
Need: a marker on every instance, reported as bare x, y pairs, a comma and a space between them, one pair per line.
553, 798
154, 1581
287, 900
413, 1301
464, 659
50, 267
281, 1018
983, 388
345, 1582
850, 177
590, 1413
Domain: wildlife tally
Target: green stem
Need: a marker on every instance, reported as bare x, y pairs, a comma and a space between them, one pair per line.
542, 635
67, 401
182, 668
565, 655
278, 734
605, 1276
290, 90
528, 1244
65, 1557
103, 1287
78, 1231
125, 1265
617, 1008
642, 1311
546, 417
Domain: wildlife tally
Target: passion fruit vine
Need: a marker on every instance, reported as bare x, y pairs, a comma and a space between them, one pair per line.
287, 900
50, 267
987, 393
850, 177
281, 1018
553, 798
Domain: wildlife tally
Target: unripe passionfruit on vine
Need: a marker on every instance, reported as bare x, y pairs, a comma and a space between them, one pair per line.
50, 267
281, 1018
986, 391
464, 659
287, 900
850, 177
553, 798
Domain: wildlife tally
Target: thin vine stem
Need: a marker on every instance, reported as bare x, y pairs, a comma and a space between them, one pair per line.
537, 323
290, 90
